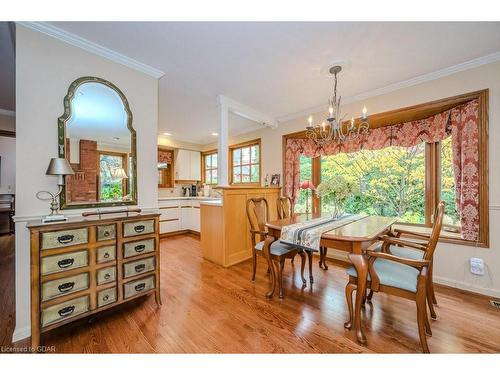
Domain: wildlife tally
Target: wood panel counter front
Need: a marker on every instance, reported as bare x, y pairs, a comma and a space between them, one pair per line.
225, 231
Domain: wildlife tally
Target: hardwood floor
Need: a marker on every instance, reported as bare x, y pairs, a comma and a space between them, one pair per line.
209, 309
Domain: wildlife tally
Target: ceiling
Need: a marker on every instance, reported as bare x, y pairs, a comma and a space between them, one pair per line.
7, 69
275, 67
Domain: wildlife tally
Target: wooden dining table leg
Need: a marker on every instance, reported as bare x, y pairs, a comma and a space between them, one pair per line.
361, 264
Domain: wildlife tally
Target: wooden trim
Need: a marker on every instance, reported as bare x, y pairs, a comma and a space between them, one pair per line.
203, 155
422, 111
7, 133
231, 148
165, 183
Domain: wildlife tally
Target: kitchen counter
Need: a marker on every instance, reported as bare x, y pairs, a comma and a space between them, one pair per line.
212, 202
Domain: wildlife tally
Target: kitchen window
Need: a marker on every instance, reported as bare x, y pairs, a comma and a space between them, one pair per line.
244, 159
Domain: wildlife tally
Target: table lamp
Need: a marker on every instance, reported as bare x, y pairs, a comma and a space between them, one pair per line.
307, 185
57, 167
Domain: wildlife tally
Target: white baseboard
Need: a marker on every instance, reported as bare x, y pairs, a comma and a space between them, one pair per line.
21, 333
467, 286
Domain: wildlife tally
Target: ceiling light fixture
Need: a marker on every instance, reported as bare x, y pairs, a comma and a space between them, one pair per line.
167, 134
333, 128
215, 134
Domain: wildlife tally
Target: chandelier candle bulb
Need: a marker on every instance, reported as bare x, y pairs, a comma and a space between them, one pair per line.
365, 111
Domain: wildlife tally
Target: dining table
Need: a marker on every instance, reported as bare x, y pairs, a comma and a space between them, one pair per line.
353, 237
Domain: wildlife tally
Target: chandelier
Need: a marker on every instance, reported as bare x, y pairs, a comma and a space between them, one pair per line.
334, 129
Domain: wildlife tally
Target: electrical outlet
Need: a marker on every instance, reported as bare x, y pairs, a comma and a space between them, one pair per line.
495, 303
477, 266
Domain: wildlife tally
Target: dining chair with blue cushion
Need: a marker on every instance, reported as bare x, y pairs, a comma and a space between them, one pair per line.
258, 214
404, 276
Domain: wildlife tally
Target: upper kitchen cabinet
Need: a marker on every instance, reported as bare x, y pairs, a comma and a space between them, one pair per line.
187, 165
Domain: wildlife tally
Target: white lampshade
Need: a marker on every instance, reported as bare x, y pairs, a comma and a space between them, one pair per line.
59, 167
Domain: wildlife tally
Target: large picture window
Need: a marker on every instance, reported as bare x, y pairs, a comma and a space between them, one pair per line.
245, 163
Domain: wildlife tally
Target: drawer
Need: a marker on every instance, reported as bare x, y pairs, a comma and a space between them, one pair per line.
59, 287
139, 266
135, 287
106, 232
65, 310
106, 296
64, 262
106, 275
131, 249
137, 228
168, 214
106, 253
170, 226
63, 238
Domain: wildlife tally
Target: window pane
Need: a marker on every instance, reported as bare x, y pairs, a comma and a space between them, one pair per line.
208, 161
255, 173
237, 156
448, 194
111, 187
214, 176
237, 174
245, 155
391, 181
305, 174
214, 160
254, 154
245, 173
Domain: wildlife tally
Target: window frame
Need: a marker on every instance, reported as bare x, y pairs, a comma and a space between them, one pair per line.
254, 142
124, 156
432, 160
167, 174
203, 169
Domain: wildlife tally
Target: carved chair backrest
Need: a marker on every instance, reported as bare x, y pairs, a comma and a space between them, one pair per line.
284, 205
258, 216
436, 231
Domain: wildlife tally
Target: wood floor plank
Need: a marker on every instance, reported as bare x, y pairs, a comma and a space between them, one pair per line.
210, 309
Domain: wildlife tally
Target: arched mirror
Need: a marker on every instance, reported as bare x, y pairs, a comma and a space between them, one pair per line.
97, 138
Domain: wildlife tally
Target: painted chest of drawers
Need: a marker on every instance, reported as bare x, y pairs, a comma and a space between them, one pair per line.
84, 266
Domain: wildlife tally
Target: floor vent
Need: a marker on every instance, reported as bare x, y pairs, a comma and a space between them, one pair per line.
495, 303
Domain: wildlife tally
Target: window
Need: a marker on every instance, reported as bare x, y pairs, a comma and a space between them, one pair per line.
209, 169
415, 179
305, 198
245, 163
113, 176
391, 181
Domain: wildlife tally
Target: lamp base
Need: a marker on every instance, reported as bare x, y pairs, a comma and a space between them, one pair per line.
51, 218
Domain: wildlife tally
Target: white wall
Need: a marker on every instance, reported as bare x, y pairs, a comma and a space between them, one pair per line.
8, 165
451, 263
45, 67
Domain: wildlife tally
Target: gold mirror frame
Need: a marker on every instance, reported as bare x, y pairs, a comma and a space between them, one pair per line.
61, 123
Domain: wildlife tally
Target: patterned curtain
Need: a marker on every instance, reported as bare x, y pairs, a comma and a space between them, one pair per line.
461, 122
165, 157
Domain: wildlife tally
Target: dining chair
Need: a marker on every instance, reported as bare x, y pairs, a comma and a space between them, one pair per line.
285, 208
405, 277
258, 214
413, 253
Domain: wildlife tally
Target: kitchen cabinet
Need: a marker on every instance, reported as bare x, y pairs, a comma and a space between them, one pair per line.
179, 215
187, 165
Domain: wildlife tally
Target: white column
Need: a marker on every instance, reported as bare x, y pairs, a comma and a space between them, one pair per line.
222, 144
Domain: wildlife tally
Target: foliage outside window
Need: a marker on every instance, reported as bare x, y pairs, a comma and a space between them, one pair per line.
245, 163
305, 174
210, 168
111, 188
448, 192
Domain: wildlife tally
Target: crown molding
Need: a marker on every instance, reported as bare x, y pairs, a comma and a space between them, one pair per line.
87, 45
6, 112
474, 63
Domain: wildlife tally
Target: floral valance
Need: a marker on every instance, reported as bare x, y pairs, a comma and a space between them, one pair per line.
461, 122
165, 157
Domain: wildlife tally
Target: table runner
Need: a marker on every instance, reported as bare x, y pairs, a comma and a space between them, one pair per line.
307, 235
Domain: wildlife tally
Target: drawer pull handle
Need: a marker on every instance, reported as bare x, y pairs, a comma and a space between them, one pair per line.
139, 228
106, 233
67, 238
106, 255
139, 248
140, 267
140, 287
68, 310
107, 276
65, 263
66, 287
105, 298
